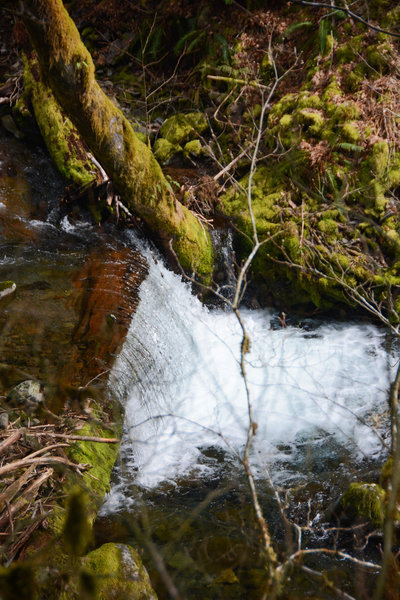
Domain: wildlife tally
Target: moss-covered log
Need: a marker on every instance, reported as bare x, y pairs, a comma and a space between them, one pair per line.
68, 67
63, 141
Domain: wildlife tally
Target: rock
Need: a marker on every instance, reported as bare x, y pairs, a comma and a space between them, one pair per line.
364, 501
27, 395
9, 125
4, 420
193, 149
6, 288
164, 151
180, 128
120, 571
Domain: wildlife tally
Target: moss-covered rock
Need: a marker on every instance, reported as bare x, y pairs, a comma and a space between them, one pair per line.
116, 572
365, 501
193, 149
165, 151
332, 159
181, 128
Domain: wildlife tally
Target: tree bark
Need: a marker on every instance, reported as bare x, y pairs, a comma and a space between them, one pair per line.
68, 68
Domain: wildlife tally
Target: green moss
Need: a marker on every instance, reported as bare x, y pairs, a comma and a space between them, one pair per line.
379, 158
63, 141
350, 132
182, 128
193, 148
6, 285
331, 91
350, 51
329, 227
355, 78
101, 457
283, 106
164, 150
313, 119
116, 572
365, 501
307, 100
378, 56
286, 121
346, 111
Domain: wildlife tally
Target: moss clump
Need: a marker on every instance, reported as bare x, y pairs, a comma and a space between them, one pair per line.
328, 226
349, 52
313, 120
378, 56
182, 128
365, 501
193, 148
100, 456
350, 132
116, 571
346, 111
379, 159
164, 151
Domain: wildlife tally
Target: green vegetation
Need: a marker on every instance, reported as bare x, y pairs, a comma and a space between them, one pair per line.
365, 501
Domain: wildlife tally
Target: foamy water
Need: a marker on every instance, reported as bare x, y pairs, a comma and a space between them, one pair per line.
178, 375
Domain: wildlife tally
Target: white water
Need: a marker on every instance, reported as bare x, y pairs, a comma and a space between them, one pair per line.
179, 375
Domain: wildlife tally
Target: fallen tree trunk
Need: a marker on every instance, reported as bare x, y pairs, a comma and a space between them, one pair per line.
68, 68
63, 141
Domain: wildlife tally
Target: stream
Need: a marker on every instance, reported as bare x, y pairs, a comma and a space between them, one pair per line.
319, 398
318, 391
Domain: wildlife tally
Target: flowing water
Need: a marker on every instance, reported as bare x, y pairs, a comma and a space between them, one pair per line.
318, 392
319, 397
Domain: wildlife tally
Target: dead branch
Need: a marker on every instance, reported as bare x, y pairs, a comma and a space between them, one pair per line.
27, 497
79, 438
41, 460
14, 488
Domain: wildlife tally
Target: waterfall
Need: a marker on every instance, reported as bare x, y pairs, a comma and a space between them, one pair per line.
179, 379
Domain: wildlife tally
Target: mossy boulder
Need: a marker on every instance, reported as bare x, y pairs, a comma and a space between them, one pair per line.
115, 571
365, 501
100, 456
182, 128
193, 149
326, 199
165, 151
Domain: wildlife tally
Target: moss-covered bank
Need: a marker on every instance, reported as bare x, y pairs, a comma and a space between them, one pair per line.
61, 561
325, 199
